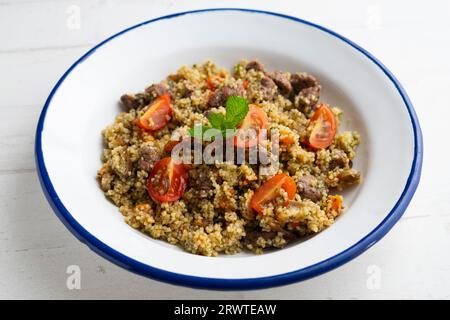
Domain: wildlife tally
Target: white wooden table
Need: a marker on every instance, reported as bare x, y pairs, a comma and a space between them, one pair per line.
39, 40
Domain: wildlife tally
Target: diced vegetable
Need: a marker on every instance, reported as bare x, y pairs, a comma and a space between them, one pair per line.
157, 115
167, 181
255, 119
271, 189
323, 124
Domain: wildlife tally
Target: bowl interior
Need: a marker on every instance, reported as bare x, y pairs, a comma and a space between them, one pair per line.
86, 102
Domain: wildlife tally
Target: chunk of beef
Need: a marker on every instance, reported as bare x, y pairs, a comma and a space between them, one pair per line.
307, 99
156, 90
349, 177
300, 81
268, 88
149, 157
200, 181
281, 81
339, 159
255, 65
187, 93
140, 100
307, 91
130, 101
307, 187
220, 96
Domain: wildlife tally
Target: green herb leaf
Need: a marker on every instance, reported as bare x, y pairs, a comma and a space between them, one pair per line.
236, 109
216, 120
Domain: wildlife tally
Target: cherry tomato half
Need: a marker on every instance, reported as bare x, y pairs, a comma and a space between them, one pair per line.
167, 181
271, 189
255, 119
323, 125
170, 145
157, 115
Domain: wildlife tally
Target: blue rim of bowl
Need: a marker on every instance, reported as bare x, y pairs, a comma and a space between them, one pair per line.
233, 284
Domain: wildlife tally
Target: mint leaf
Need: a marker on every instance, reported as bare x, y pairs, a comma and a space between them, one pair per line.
236, 108
216, 119
191, 132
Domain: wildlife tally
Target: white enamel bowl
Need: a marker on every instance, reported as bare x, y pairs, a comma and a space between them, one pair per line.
84, 101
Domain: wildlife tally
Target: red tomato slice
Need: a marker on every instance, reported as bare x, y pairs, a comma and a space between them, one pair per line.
157, 115
271, 189
255, 119
167, 181
323, 127
170, 145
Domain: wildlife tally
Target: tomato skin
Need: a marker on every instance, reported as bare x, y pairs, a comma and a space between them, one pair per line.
214, 78
323, 124
167, 181
210, 84
255, 119
170, 145
271, 189
157, 115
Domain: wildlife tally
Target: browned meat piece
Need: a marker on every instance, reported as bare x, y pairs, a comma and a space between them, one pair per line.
220, 96
307, 99
251, 238
302, 81
187, 93
307, 90
149, 157
339, 159
308, 187
282, 82
200, 182
130, 101
349, 177
255, 65
268, 88
156, 90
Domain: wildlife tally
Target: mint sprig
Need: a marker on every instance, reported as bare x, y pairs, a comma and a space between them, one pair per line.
236, 109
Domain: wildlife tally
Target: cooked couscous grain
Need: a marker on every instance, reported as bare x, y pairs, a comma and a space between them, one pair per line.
226, 207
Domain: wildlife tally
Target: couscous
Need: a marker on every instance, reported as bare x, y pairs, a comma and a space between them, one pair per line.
228, 206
